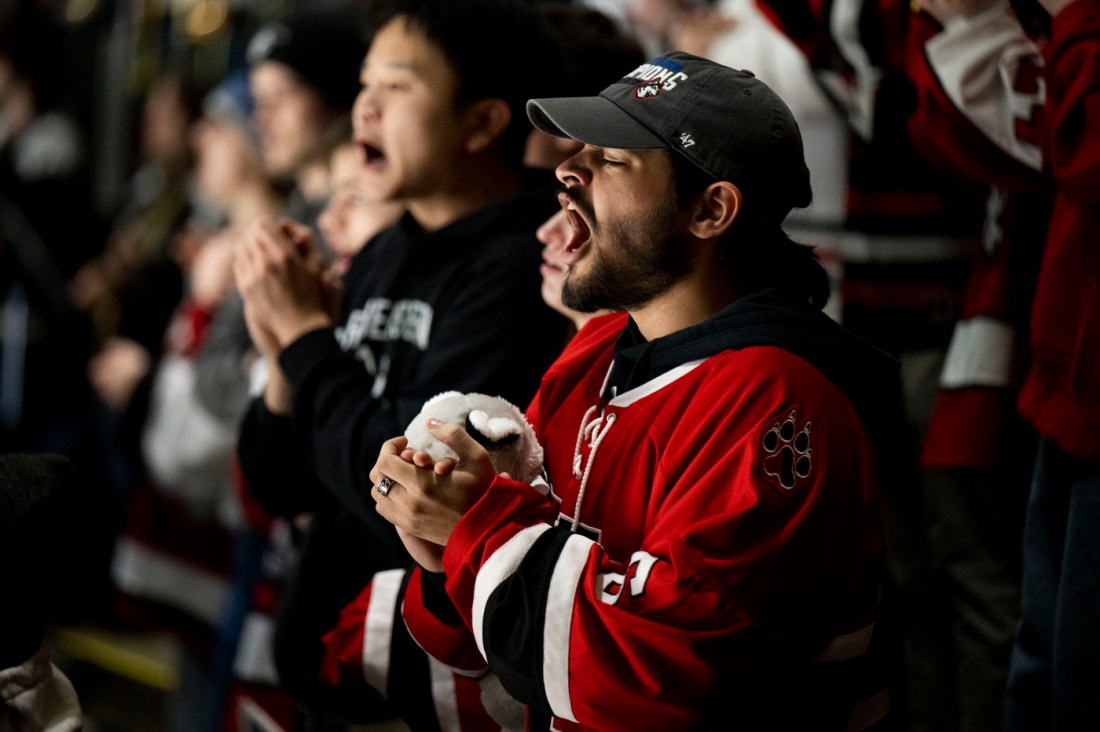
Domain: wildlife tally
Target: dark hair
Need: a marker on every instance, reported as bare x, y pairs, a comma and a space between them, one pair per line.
499, 49
323, 47
595, 50
756, 251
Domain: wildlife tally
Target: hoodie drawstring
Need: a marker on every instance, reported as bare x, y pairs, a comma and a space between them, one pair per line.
594, 429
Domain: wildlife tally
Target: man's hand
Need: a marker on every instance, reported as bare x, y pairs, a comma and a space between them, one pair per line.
279, 272
428, 498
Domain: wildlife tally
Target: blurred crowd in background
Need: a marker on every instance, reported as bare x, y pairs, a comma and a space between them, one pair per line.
137, 137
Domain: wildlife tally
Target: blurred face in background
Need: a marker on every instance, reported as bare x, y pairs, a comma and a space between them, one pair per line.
547, 152
165, 125
16, 102
554, 235
290, 115
350, 219
225, 158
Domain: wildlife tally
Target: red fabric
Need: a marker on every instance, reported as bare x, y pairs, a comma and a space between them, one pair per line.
453, 643
974, 425
683, 476
945, 137
1061, 397
968, 429
187, 329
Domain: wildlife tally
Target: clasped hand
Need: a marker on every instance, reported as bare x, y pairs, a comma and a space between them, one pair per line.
281, 276
429, 497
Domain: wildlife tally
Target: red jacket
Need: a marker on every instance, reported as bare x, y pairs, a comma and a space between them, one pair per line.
1061, 397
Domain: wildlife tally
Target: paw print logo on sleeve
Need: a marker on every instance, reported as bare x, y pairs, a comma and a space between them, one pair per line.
788, 456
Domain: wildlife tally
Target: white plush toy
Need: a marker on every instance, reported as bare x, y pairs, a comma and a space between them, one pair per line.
495, 423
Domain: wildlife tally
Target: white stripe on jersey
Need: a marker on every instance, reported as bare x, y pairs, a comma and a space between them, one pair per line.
654, 385
499, 567
559, 620
378, 627
444, 696
981, 354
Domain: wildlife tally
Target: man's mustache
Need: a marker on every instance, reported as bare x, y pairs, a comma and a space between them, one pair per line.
580, 204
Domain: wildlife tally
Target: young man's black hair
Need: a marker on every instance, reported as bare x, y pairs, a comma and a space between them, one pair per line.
498, 48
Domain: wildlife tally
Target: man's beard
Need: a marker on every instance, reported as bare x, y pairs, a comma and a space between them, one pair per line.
637, 261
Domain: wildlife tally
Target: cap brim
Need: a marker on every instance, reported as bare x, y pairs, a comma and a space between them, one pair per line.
591, 120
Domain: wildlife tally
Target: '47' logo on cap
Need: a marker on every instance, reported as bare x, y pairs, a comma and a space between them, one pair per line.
686, 140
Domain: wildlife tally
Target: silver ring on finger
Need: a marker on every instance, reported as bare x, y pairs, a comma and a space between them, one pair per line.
384, 485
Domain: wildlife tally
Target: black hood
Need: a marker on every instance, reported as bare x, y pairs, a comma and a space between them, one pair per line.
867, 375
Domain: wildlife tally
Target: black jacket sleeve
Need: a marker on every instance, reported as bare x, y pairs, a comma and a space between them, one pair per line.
276, 472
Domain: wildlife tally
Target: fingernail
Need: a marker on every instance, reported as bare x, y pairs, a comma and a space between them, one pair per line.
433, 422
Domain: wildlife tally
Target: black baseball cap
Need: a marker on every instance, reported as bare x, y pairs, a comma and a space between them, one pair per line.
727, 122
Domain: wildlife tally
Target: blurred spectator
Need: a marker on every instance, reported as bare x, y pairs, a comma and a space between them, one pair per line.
348, 222
977, 91
128, 293
303, 78
554, 235
594, 48
42, 150
303, 81
47, 229
186, 450
350, 219
1056, 657
445, 299
905, 238
131, 288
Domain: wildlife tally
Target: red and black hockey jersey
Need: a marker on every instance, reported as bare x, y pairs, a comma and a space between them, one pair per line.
706, 552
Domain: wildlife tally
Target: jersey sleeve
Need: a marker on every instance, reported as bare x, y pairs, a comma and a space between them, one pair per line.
980, 97
763, 543
430, 613
1073, 61
370, 654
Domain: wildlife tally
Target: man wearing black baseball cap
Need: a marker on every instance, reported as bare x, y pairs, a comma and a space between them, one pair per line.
707, 551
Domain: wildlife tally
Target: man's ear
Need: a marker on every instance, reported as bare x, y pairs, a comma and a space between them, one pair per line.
715, 209
487, 119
